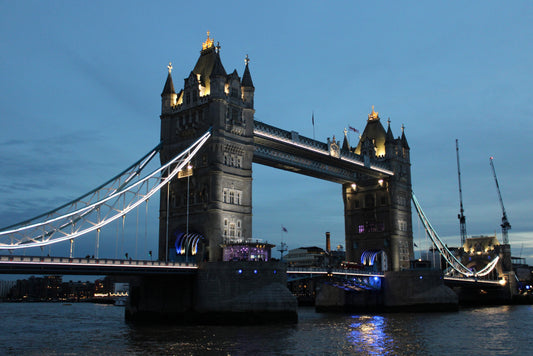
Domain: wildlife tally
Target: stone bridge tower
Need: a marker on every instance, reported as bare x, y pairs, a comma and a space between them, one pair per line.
378, 210
214, 205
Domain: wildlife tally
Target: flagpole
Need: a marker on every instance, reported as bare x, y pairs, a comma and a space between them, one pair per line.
313, 121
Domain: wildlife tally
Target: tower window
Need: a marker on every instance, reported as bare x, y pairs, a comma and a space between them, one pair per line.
232, 196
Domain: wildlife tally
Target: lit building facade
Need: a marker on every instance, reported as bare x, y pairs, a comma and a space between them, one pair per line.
377, 211
218, 196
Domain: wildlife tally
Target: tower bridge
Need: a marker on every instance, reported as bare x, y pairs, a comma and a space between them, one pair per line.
209, 140
214, 206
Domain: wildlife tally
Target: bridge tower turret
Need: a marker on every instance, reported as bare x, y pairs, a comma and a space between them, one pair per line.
247, 86
214, 205
168, 96
378, 209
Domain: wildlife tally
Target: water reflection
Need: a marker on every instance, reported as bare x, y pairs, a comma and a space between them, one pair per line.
368, 334
85, 328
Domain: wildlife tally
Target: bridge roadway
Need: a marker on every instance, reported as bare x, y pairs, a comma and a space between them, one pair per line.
315, 272
90, 266
13, 264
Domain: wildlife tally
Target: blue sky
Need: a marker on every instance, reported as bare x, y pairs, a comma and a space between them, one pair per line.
81, 84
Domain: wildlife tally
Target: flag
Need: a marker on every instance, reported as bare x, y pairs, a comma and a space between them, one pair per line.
313, 118
415, 244
353, 129
283, 229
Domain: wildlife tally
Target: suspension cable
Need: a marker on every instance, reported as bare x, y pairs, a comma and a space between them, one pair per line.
82, 220
450, 258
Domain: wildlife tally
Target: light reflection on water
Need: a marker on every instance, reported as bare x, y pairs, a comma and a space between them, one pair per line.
370, 332
80, 329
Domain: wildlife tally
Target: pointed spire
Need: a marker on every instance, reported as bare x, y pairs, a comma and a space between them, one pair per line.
404, 139
246, 77
390, 137
218, 68
345, 143
169, 85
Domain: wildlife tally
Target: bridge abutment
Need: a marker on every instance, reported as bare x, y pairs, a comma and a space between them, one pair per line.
219, 293
417, 290
408, 290
156, 298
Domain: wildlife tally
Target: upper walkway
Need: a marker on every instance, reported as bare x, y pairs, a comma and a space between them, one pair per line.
290, 151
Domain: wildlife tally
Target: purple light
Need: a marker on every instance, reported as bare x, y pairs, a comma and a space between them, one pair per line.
247, 252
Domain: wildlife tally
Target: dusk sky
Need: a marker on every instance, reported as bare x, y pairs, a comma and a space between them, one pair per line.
80, 101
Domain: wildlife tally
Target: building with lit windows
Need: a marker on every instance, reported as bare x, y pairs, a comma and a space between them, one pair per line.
214, 205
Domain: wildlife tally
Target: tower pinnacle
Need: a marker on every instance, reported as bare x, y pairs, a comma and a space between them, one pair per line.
208, 42
373, 115
169, 67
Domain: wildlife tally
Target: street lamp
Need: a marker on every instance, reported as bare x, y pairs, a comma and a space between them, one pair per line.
189, 172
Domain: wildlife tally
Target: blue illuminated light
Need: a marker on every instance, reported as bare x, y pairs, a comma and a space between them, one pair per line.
376, 278
421, 277
255, 271
239, 271
275, 271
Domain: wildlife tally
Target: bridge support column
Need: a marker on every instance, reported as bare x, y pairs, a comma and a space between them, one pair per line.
168, 298
331, 298
418, 290
244, 292
219, 293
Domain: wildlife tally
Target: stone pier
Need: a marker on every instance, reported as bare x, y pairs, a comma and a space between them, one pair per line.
408, 290
220, 293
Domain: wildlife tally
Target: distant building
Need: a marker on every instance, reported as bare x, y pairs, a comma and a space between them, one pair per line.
50, 288
479, 251
5, 288
306, 257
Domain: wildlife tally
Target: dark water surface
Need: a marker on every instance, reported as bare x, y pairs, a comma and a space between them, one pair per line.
93, 329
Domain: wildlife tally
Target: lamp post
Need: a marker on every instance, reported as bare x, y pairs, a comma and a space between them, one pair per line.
189, 168
182, 174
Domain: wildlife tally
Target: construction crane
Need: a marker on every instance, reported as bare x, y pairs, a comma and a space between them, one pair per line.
505, 223
461, 216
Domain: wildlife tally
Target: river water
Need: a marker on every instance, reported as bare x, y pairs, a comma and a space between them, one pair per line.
94, 329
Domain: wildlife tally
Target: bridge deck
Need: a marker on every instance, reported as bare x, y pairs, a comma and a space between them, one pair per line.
90, 266
290, 151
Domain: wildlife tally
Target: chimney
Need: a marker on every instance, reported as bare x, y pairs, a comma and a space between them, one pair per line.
328, 242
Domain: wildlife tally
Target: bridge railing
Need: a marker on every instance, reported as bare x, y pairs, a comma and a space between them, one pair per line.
342, 271
94, 261
293, 137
